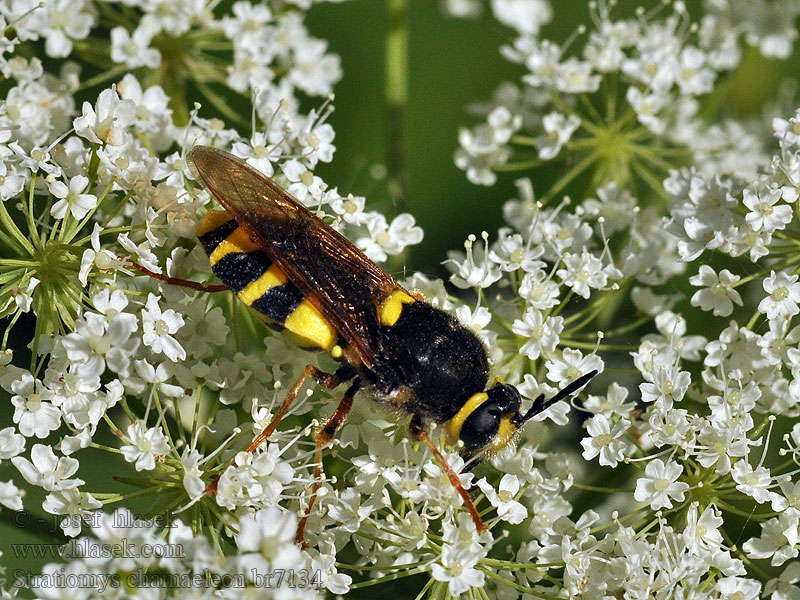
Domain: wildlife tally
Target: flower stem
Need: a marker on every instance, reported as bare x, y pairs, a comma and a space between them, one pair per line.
396, 96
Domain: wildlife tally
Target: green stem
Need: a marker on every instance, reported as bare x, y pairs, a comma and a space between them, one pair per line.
396, 95
103, 77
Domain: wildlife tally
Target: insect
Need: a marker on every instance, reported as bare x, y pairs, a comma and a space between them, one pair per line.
313, 284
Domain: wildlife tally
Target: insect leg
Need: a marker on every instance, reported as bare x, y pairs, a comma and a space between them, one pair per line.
323, 438
195, 285
326, 380
418, 431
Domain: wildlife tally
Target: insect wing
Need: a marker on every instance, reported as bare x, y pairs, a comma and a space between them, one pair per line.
344, 285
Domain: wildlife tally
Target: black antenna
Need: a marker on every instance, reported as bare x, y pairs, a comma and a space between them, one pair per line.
540, 405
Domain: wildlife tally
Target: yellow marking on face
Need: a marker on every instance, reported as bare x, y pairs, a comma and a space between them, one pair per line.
336, 351
505, 433
309, 327
454, 425
391, 308
499, 380
271, 278
238, 241
212, 220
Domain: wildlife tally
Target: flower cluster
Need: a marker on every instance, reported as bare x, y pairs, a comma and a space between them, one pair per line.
676, 203
672, 274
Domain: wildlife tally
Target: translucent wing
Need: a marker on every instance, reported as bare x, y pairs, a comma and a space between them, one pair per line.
337, 277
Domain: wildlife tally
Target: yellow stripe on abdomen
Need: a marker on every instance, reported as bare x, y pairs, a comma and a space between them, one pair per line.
271, 278
238, 241
307, 327
212, 220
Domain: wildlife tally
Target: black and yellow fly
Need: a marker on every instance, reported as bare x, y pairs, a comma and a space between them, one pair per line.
313, 284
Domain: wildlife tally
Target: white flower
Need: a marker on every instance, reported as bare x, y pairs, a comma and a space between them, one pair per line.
574, 76
669, 385
47, 470
33, 412
158, 327
192, 475
558, 129
784, 294
106, 123
526, 16
72, 198
170, 16
387, 239
11, 182
463, 9
75, 506
753, 482
789, 496
612, 404
254, 479
543, 333
485, 147
315, 138
351, 509
134, 50
691, 73
11, 443
702, 534
661, 485
143, 253
512, 252
101, 341
764, 215
778, 541
457, 568
605, 441
648, 107
105, 260
717, 294
314, 71
785, 585
145, 446
22, 298
60, 22
247, 23
158, 377
717, 443
571, 365
261, 152
738, 587
476, 270
539, 290
508, 509
583, 271
11, 496
266, 541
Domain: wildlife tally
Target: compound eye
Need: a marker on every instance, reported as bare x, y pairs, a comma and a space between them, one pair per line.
481, 427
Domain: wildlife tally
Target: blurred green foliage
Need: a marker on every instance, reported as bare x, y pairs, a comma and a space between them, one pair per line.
453, 63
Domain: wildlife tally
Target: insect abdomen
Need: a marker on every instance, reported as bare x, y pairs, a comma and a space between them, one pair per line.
242, 266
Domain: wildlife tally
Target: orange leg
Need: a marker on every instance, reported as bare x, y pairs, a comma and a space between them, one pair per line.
327, 380
422, 435
323, 438
203, 287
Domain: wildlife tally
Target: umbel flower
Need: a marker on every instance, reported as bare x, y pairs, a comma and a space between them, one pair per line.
662, 256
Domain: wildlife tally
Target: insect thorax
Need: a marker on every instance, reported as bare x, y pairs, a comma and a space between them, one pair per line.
439, 362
